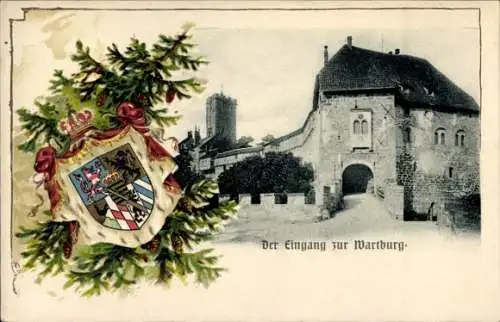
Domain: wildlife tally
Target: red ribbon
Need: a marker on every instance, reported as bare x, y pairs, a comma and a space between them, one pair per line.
45, 163
132, 115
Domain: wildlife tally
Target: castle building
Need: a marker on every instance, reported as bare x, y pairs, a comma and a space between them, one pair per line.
392, 122
387, 123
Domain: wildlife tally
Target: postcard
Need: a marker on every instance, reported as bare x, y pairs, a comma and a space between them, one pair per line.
249, 161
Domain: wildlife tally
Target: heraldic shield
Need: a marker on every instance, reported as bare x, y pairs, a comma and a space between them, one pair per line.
116, 191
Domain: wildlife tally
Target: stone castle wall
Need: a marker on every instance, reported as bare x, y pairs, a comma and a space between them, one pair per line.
336, 150
436, 173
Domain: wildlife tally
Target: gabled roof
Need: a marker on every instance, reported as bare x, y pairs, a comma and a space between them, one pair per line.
415, 79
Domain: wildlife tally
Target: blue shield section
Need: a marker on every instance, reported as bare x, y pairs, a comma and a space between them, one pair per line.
88, 181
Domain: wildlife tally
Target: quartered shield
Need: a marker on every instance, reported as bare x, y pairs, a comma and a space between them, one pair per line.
115, 191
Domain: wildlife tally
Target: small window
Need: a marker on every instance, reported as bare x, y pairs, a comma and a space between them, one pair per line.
356, 127
440, 136
364, 127
460, 138
450, 172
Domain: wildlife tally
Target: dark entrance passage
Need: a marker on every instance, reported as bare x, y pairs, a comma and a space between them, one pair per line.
355, 179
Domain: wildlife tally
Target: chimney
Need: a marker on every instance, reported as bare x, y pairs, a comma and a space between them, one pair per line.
349, 41
396, 51
325, 55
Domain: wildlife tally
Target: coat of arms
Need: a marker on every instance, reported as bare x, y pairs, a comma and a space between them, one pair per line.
114, 183
115, 189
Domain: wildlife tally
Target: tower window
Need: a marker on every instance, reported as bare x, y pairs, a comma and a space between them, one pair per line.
440, 136
364, 127
450, 172
356, 127
460, 138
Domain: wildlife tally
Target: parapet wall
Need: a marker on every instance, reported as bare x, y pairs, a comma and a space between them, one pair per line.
291, 199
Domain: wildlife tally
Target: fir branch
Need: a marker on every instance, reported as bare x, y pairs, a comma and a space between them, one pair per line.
160, 117
59, 82
36, 125
44, 247
201, 264
137, 74
105, 267
200, 192
93, 76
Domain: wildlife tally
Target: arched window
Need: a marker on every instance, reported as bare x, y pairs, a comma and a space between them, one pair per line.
356, 125
440, 136
364, 127
460, 138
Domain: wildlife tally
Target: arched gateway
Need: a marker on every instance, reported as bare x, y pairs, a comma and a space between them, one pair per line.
356, 178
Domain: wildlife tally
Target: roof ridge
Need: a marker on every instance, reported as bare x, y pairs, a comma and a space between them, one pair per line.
358, 68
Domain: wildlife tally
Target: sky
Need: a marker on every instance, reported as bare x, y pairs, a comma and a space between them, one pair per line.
267, 61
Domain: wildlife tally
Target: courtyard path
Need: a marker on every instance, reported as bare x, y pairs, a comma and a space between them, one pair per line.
364, 216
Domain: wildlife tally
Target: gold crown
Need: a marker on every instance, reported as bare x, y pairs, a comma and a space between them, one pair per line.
76, 124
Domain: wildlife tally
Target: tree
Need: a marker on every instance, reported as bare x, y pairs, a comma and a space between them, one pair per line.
146, 77
283, 172
275, 173
243, 142
267, 139
242, 178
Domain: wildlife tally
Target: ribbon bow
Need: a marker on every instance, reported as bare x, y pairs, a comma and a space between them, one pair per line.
132, 115
45, 163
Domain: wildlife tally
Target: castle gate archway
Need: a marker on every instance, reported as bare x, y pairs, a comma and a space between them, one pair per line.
356, 178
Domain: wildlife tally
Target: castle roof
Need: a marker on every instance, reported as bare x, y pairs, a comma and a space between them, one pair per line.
291, 134
205, 141
415, 79
238, 151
